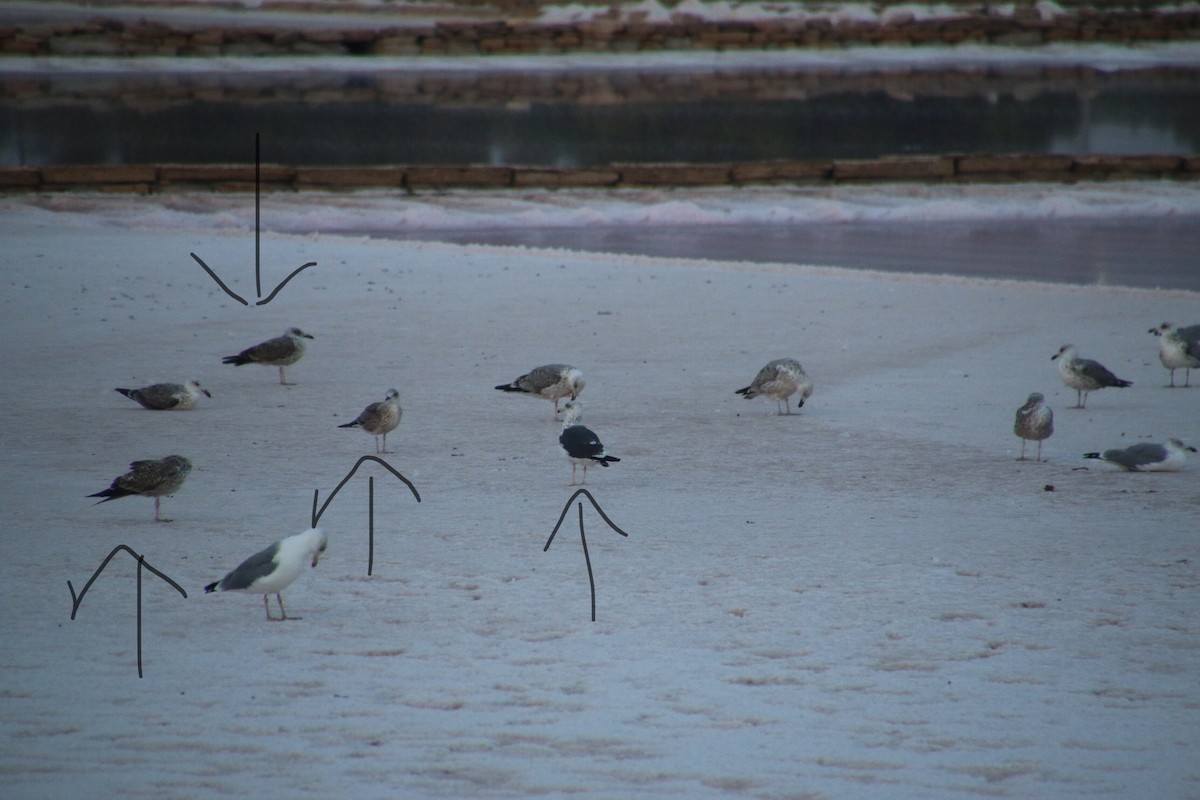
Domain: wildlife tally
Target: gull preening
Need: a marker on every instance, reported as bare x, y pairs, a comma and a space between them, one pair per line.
1178, 348
379, 418
1147, 457
582, 446
1083, 374
167, 396
281, 352
779, 380
1034, 422
272, 570
552, 382
150, 478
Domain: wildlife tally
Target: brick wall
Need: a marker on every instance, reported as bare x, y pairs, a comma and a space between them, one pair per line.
147, 179
605, 32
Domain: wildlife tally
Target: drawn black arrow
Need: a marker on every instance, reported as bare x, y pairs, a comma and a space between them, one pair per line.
257, 245
77, 599
582, 537
316, 515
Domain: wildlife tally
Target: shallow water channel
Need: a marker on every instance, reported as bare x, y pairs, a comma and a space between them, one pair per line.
575, 118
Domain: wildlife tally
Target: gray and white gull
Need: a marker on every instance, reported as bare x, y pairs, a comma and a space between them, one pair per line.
167, 396
1083, 374
282, 351
779, 380
378, 419
272, 570
1034, 422
1178, 348
1146, 457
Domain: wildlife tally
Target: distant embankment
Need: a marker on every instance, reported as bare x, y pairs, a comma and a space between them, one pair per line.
152, 179
514, 27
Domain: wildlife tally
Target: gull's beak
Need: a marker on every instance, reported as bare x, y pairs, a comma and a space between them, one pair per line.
207, 393
316, 558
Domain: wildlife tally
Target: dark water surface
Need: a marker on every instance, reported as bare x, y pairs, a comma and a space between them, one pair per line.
574, 119
1141, 252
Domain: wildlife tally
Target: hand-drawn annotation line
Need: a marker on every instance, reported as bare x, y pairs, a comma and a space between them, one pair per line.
316, 515
582, 538
257, 244
77, 599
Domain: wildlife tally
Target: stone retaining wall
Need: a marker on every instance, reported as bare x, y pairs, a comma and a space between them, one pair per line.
1019, 23
147, 179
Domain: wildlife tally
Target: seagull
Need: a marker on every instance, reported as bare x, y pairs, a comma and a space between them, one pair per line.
1178, 348
551, 381
379, 418
1035, 421
1146, 457
164, 396
279, 352
1084, 375
272, 570
582, 446
150, 478
780, 379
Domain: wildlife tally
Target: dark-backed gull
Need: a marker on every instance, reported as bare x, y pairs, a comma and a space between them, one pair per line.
551, 381
1084, 375
1178, 348
272, 570
582, 446
379, 418
779, 380
167, 396
1147, 457
278, 352
150, 478
1034, 422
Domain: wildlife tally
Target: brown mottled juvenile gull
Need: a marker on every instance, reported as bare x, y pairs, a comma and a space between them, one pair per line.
150, 478
379, 418
1084, 375
168, 396
582, 446
272, 570
1178, 348
779, 380
278, 352
550, 381
1147, 457
1034, 422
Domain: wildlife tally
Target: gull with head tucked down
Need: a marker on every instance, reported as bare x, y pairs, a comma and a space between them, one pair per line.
1034, 422
272, 570
779, 380
551, 382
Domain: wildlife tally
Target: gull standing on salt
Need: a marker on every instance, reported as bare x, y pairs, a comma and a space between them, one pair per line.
379, 418
168, 396
1035, 422
1084, 375
779, 380
551, 381
278, 352
150, 478
582, 446
1167, 457
272, 570
1178, 348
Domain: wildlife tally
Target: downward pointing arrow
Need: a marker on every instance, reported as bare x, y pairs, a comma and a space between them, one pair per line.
257, 246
